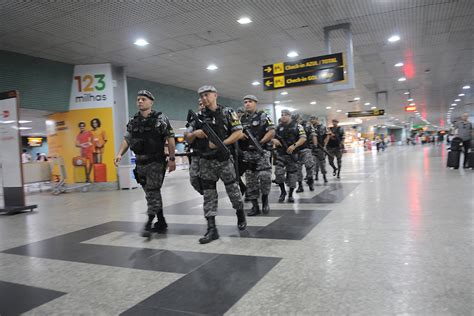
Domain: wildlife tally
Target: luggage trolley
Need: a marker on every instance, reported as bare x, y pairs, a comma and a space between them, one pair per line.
60, 180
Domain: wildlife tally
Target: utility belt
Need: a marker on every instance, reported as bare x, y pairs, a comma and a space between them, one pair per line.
146, 159
214, 155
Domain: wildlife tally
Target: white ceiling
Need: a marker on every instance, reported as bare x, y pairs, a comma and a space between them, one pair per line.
186, 36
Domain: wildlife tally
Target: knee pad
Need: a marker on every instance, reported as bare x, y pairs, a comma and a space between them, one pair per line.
208, 184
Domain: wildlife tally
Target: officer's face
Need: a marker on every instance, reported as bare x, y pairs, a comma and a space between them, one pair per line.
285, 118
143, 103
250, 105
464, 116
334, 123
208, 98
314, 121
200, 106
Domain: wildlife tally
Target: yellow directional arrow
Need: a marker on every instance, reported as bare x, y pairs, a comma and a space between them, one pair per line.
268, 69
268, 83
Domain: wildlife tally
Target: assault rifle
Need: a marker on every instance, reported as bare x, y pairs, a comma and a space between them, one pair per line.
253, 141
211, 135
285, 146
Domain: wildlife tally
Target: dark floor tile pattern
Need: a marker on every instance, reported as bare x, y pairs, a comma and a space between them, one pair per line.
213, 288
335, 193
16, 299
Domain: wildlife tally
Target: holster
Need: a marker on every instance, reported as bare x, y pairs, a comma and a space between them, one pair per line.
141, 180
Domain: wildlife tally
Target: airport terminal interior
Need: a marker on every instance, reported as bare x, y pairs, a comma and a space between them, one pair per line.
343, 127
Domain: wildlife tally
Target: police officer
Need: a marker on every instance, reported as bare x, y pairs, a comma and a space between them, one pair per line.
259, 170
305, 156
288, 138
197, 146
213, 165
318, 152
147, 133
335, 145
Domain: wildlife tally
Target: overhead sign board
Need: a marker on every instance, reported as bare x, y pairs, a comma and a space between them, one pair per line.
303, 65
410, 108
375, 112
302, 79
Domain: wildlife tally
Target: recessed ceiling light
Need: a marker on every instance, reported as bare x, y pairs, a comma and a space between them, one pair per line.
394, 38
284, 93
451, 108
212, 67
339, 111
292, 54
141, 42
373, 108
313, 102
356, 99
411, 99
457, 100
398, 64
23, 122
411, 104
466, 87
461, 94
255, 83
276, 102
244, 20
408, 92
367, 103
328, 108
453, 104
402, 79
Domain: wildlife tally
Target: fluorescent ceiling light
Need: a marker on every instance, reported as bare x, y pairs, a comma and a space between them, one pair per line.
284, 93
23, 122
313, 102
398, 64
457, 100
466, 87
276, 102
24, 128
408, 92
339, 111
373, 108
255, 83
461, 94
402, 79
367, 103
411, 99
7, 122
394, 38
141, 42
453, 104
411, 104
451, 108
356, 99
292, 54
212, 67
328, 108
244, 20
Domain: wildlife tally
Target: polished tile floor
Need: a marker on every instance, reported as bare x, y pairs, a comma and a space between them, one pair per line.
393, 236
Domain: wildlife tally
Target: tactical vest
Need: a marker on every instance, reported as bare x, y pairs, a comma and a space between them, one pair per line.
336, 139
146, 134
308, 130
320, 133
256, 126
218, 121
290, 134
199, 144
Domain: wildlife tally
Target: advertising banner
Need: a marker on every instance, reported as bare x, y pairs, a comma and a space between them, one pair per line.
92, 87
84, 139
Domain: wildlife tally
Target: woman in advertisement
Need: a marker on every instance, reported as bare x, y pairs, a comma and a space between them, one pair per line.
84, 142
99, 138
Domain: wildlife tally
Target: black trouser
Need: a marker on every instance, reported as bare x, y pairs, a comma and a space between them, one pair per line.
467, 145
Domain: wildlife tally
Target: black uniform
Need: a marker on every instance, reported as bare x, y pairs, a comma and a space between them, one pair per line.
335, 147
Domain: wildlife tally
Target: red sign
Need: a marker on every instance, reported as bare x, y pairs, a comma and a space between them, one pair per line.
6, 114
410, 108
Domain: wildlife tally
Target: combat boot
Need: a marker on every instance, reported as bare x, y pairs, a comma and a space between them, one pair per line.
316, 176
160, 226
265, 206
241, 222
311, 184
290, 196
339, 173
211, 233
283, 193
255, 209
334, 171
147, 229
325, 179
300, 187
